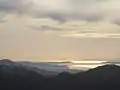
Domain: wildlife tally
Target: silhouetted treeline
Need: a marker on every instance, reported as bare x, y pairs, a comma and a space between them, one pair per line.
13, 77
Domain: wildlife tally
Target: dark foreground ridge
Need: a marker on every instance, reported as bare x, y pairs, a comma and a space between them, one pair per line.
14, 76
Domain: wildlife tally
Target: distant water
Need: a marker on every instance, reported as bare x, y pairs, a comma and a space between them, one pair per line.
70, 64
84, 65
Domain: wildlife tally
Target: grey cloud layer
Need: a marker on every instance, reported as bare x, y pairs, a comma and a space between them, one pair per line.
45, 27
89, 10
18, 6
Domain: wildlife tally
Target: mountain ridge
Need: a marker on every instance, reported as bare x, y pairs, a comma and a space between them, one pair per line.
22, 78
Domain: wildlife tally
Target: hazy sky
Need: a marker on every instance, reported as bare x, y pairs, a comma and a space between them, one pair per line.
60, 29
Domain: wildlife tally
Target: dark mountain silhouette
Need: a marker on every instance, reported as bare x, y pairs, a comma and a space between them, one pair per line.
14, 76
6, 61
107, 74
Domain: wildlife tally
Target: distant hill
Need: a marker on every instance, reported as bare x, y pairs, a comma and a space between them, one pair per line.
46, 69
6, 61
102, 74
14, 76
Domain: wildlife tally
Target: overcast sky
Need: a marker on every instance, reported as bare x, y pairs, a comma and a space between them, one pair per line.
60, 29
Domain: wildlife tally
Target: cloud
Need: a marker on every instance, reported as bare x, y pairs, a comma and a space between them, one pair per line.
2, 20
61, 10
45, 28
66, 10
17, 6
92, 35
91, 18
79, 29
89, 10
94, 30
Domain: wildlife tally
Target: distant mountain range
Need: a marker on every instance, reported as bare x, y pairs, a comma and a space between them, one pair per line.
46, 69
55, 67
16, 76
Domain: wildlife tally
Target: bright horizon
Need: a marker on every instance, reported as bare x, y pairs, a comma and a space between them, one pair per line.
73, 64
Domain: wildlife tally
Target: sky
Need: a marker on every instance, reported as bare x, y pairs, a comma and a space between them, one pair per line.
46, 30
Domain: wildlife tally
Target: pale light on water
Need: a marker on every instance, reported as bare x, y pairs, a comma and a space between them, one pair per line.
92, 62
85, 64
81, 67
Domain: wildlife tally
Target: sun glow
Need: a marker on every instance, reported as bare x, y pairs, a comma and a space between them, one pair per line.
79, 67
92, 62
85, 64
